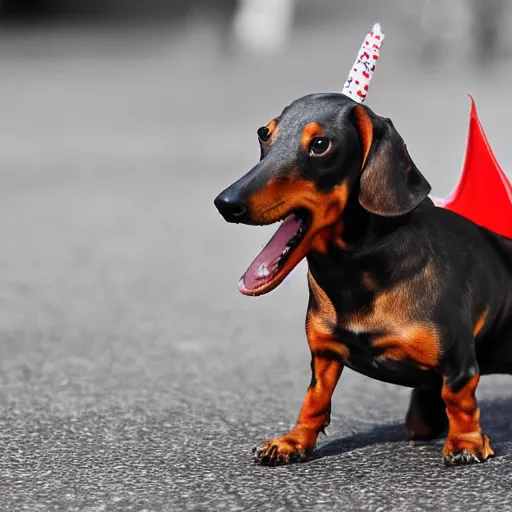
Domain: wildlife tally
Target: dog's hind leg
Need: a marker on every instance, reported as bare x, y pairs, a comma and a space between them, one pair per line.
426, 417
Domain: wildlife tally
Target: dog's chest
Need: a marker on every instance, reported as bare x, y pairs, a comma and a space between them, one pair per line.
380, 342
385, 357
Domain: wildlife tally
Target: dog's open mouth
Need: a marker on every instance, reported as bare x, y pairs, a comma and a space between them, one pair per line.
278, 258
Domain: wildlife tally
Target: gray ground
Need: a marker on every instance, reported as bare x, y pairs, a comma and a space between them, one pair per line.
133, 376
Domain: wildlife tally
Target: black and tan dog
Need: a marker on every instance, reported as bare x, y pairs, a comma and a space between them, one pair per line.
400, 290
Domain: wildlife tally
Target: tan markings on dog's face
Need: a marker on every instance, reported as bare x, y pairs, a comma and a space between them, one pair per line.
282, 196
310, 131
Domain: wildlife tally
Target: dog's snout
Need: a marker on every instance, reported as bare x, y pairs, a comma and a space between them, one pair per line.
231, 207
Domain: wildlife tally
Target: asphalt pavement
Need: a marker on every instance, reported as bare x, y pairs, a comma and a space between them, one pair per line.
133, 375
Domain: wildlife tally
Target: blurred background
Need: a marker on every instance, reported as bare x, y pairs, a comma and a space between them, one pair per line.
126, 347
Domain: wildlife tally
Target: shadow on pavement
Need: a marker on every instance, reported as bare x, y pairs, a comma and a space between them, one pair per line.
496, 423
379, 434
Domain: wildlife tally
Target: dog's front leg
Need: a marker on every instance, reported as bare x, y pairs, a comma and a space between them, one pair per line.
327, 358
314, 416
466, 443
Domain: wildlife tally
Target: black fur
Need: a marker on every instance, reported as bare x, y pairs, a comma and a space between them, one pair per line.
394, 234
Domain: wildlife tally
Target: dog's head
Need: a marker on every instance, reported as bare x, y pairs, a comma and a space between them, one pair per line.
322, 150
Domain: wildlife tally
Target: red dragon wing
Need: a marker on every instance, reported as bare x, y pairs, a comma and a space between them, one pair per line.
484, 193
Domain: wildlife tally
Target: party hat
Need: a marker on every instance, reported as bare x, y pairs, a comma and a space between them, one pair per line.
358, 81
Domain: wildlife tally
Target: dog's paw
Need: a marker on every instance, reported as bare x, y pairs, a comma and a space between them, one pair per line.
458, 452
283, 450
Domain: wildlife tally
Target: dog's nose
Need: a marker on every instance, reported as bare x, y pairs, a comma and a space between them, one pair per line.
232, 208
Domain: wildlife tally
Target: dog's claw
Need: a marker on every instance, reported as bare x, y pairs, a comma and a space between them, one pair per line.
460, 458
276, 453
456, 457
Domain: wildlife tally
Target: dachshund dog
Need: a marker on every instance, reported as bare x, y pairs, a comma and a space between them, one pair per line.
400, 290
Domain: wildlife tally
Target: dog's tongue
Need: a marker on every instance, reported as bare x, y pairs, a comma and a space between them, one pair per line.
264, 265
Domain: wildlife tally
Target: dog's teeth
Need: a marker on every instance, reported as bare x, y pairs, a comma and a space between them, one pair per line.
263, 270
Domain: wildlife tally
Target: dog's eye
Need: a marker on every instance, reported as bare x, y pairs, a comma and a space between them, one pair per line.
263, 133
319, 145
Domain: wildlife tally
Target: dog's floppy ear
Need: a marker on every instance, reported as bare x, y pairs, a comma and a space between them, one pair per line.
390, 183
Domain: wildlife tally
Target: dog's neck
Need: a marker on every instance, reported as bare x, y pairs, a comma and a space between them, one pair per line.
374, 246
